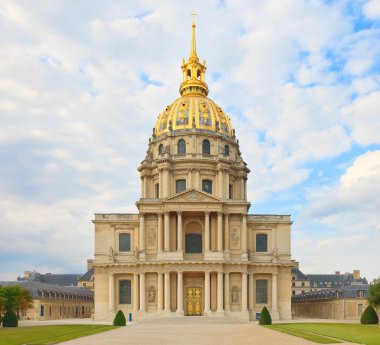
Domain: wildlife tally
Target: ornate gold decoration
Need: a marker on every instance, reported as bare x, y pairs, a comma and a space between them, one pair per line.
193, 105
194, 301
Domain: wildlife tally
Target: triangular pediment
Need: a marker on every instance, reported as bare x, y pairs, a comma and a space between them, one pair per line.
193, 195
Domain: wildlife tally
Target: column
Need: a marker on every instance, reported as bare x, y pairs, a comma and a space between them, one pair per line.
142, 232
135, 292
142, 186
197, 180
220, 232
166, 232
145, 182
242, 188
190, 179
250, 291
160, 292
226, 291
111, 293
220, 183
274, 292
167, 292
207, 292
161, 183
207, 231
227, 184
220, 292
159, 232
142, 292
244, 291
179, 231
165, 184
180, 292
244, 233
226, 233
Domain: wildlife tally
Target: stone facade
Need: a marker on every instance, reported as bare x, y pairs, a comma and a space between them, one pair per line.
192, 249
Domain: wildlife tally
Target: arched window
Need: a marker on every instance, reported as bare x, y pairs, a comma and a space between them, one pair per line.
261, 243
124, 242
226, 150
161, 149
207, 186
181, 147
198, 74
206, 147
193, 243
188, 74
180, 186
261, 291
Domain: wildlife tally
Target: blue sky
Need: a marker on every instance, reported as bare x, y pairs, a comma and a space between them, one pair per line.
82, 84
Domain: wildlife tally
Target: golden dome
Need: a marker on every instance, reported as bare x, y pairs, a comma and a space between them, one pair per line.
193, 109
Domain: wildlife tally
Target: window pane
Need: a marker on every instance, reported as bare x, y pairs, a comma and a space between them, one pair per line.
157, 190
261, 243
230, 191
193, 243
226, 150
124, 292
261, 291
124, 242
181, 147
207, 186
205, 147
180, 186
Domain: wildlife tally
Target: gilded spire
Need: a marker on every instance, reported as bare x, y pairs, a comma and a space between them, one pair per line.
193, 72
193, 49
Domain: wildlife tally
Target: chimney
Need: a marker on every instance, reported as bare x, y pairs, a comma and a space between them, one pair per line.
356, 274
90, 264
26, 275
337, 273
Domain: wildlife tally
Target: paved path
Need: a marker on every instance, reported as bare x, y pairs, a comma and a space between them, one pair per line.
191, 331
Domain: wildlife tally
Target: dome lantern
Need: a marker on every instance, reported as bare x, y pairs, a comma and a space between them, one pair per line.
193, 72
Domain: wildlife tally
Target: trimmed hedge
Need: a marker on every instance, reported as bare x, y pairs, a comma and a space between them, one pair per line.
369, 316
10, 319
265, 318
119, 319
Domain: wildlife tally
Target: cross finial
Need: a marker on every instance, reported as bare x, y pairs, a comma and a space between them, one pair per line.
193, 14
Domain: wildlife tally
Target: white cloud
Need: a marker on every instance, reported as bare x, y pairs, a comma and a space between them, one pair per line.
372, 9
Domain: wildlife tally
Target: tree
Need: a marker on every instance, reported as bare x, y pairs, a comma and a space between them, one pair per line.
369, 316
16, 298
119, 319
374, 294
265, 318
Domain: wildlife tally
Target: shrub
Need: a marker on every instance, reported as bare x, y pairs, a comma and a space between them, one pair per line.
119, 319
265, 318
10, 319
369, 316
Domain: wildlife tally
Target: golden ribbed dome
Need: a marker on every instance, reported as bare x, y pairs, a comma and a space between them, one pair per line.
193, 111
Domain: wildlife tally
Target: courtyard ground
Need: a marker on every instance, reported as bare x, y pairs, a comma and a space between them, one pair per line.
190, 331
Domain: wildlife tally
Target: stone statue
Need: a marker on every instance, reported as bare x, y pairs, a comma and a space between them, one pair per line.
151, 295
111, 254
275, 255
234, 295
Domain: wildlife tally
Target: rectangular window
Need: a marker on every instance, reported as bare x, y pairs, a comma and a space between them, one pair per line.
230, 191
180, 186
261, 291
157, 190
261, 243
207, 186
124, 242
124, 292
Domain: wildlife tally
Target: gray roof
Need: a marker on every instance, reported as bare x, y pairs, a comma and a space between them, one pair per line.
342, 292
334, 280
33, 287
298, 274
87, 276
55, 279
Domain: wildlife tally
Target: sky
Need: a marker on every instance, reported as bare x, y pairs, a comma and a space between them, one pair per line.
82, 84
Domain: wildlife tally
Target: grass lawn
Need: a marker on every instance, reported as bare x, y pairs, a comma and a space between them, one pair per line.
48, 334
323, 332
